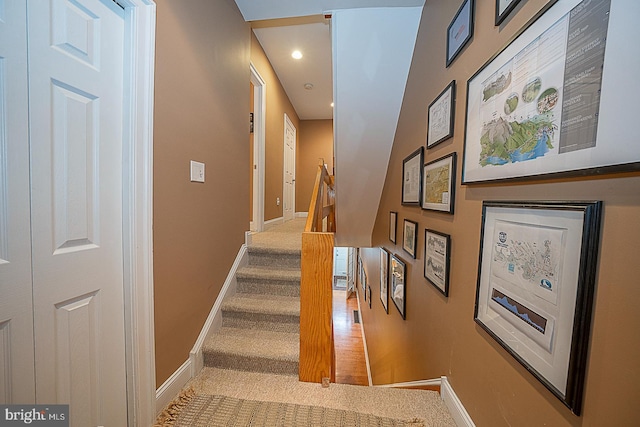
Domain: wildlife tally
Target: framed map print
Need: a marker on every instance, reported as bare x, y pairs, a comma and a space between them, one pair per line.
550, 103
412, 177
438, 186
441, 115
536, 283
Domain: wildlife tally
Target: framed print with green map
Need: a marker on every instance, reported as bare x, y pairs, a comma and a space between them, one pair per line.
438, 184
554, 101
536, 283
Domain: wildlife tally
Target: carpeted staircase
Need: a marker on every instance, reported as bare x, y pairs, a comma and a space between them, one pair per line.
261, 322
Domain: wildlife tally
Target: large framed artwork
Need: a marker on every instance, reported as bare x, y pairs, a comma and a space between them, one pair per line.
437, 247
384, 279
504, 8
412, 178
410, 237
549, 104
398, 284
441, 116
438, 186
460, 30
536, 282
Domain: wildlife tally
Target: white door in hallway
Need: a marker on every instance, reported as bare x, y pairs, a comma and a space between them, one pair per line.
76, 136
289, 169
17, 383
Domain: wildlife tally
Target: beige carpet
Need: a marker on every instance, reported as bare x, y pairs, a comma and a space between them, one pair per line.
284, 236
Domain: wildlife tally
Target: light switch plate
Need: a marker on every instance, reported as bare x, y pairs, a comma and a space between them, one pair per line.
197, 171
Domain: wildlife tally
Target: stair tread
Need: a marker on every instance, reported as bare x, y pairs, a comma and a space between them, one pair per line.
264, 272
263, 249
253, 343
264, 304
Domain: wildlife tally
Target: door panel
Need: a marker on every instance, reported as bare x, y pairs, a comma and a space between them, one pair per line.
17, 384
75, 93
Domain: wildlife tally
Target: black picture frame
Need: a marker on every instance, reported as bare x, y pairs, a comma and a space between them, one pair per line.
441, 116
504, 8
437, 259
412, 178
398, 284
439, 184
536, 283
460, 30
393, 226
410, 237
384, 279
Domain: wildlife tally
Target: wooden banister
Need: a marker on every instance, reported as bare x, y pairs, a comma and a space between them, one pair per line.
317, 356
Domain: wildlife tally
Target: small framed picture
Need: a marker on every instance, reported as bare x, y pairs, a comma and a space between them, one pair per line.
384, 279
460, 30
369, 295
410, 237
437, 247
438, 187
412, 178
536, 284
393, 225
441, 114
504, 8
398, 284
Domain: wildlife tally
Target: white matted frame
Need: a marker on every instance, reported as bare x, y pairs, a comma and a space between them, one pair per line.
441, 116
536, 283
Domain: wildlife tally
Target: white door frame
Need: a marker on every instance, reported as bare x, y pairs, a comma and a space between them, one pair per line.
259, 120
140, 26
288, 122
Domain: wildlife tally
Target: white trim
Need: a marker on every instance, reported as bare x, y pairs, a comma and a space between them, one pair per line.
301, 215
274, 221
457, 410
364, 340
420, 383
214, 320
140, 25
172, 387
259, 132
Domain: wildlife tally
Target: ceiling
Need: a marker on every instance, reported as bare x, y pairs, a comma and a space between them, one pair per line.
283, 26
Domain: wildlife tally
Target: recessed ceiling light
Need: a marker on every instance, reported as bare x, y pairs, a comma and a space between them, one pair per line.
296, 54
308, 86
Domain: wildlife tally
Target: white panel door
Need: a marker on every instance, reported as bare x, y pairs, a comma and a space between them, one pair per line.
289, 169
16, 313
76, 97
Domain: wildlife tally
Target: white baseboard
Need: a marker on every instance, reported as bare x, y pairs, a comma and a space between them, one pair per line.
420, 383
301, 214
214, 320
272, 222
457, 410
172, 386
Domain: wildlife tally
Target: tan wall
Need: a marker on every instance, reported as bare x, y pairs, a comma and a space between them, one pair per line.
277, 105
439, 336
201, 113
315, 142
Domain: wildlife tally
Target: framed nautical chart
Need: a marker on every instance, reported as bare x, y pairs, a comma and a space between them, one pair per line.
555, 101
536, 283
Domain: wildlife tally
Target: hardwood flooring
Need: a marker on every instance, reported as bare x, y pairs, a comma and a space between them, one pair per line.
351, 367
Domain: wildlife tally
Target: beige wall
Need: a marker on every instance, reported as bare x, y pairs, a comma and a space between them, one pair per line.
201, 113
439, 336
315, 142
277, 105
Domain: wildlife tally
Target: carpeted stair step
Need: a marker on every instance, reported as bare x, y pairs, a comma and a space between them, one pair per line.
270, 257
268, 280
253, 350
262, 312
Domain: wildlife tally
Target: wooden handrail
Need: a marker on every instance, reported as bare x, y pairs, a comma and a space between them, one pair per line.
317, 355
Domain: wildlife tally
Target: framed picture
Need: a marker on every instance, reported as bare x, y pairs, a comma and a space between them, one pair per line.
398, 284
536, 283
437, 247
410, 237
393, 225
412, 177
460, 30
504, 8
438, 187
369, 295
560, 116
441, 114
384, 279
